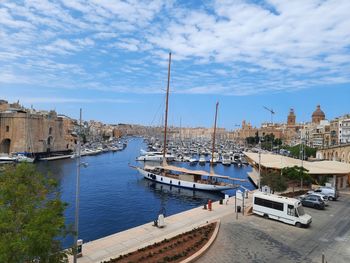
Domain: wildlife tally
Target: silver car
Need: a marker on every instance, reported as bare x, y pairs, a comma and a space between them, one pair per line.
324, 197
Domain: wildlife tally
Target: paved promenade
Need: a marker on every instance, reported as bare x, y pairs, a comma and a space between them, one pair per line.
130, 240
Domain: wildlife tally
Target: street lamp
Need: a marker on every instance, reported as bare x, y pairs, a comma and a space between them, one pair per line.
259, 182
76, 220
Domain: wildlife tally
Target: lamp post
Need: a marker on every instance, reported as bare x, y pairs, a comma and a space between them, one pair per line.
76, 220
259, 184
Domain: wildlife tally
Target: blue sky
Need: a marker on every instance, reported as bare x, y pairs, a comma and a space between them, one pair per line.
110, 58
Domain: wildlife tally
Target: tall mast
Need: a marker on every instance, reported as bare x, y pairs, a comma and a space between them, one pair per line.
214, 135
166, 111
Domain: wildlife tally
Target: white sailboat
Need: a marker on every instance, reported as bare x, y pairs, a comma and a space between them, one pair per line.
182, 177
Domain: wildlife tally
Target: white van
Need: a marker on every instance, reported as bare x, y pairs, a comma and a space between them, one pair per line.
285, 209
328, 191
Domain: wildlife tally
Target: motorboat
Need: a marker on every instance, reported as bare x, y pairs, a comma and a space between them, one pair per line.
21, 158
202, 160
7, 159
226, 159
154, 157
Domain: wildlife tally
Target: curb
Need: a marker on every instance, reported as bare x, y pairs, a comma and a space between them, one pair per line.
200, 252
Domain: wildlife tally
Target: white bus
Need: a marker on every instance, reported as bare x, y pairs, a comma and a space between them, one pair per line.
287, 210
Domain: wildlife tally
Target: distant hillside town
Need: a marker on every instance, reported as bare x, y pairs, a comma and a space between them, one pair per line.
318, 133
40, 131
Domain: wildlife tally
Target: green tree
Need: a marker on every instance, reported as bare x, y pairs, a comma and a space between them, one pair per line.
275, 181
31, 216
257, 138
250, 140
295, 151
296, 174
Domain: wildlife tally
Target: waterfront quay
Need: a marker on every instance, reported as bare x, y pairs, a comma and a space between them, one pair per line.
130, 240
247, 238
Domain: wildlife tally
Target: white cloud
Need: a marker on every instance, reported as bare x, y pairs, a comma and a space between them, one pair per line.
229, 47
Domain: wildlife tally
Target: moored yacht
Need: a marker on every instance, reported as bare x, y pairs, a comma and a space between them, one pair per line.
182, 177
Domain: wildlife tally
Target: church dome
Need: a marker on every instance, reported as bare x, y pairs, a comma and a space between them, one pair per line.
318, 112
318, 115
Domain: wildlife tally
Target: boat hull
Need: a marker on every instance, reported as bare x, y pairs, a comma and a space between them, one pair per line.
183, 184
154, 158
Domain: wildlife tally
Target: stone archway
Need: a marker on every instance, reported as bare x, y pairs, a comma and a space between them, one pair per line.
349, 157
5, 146
342, 158
336, 156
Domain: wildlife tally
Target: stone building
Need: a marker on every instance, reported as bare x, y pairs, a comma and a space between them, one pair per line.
340, 153
27, 130
344, 129
334, 132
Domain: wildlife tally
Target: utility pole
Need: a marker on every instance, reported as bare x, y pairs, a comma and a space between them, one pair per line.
76, 220
302, 161
259, 184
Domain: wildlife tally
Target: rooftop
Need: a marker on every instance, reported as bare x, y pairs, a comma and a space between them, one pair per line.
275, 161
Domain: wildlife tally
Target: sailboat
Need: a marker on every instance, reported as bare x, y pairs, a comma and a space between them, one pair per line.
182, 177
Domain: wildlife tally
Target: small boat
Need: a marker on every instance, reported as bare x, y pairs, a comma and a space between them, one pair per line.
215, 158
193, 161
226, 160
154, 157
7, 159
21, 158
202, 160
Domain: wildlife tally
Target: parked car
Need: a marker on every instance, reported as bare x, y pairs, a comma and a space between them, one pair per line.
328, 191
323, 196
313, 201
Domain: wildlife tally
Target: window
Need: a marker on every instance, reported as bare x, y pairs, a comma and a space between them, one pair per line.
50, 131
290, 210
161, 178
179, 183
171, 181
7, 128
268, 203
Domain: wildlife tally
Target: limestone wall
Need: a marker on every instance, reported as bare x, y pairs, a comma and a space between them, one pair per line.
32, 132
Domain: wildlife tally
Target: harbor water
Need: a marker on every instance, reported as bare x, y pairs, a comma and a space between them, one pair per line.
114, 197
